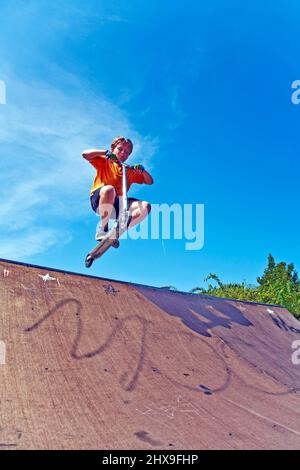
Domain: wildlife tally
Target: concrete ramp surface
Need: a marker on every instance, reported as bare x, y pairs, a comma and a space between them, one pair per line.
90, 363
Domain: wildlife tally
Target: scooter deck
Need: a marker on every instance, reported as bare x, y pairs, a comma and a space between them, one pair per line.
111, 238
108, 241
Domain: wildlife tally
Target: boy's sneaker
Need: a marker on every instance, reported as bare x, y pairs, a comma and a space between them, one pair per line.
100, 233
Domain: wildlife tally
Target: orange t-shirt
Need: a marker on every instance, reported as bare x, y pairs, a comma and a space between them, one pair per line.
109, 172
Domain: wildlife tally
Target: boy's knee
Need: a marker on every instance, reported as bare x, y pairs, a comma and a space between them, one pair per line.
147, 206
108, 191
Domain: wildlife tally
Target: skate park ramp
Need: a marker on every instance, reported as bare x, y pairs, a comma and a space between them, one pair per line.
91, 363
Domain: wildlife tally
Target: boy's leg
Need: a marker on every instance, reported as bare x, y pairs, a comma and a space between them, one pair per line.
106, 205
138, 210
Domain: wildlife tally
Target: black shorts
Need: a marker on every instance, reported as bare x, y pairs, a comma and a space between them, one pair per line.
95, 203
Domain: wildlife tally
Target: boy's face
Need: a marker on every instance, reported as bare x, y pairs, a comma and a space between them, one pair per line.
122, 151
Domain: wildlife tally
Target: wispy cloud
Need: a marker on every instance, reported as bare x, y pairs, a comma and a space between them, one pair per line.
49, 118
178, 114
31, 243
43, 178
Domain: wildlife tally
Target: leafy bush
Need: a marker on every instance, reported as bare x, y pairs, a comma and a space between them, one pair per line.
278, 285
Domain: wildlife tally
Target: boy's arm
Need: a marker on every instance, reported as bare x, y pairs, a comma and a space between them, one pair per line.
90, 154
147, 177
141, 172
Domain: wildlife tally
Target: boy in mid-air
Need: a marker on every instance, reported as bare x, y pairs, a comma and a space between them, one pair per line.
107, 186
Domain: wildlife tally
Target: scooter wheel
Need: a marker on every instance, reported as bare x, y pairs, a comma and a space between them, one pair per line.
116, 244
88, 261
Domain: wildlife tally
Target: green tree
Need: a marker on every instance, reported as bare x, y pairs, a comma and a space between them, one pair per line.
280, 285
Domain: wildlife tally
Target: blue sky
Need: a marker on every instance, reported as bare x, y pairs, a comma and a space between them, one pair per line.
204, 91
